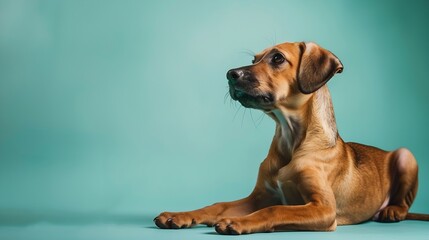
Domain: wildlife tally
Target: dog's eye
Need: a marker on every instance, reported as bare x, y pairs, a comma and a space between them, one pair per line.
278, 58
254, 60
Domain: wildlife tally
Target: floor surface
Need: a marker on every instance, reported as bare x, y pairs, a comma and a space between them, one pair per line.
142, 228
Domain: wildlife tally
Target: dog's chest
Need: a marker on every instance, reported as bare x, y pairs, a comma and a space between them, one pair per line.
284, 191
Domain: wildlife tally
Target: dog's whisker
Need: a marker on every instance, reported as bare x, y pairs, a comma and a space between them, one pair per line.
248, 52
225, 97
242, 117
235, 115
253, 120
261, 118
275, 39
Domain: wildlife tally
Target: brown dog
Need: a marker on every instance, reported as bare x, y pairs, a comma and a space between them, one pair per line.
311, 179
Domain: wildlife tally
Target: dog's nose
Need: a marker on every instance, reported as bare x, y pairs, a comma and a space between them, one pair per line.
233, 75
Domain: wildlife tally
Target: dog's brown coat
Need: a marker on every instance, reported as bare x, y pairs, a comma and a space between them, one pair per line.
311, 179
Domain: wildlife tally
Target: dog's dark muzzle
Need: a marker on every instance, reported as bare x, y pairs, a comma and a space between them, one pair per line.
243, 86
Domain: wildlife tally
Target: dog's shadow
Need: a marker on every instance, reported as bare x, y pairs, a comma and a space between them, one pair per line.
195, 227
24, 218
199, 227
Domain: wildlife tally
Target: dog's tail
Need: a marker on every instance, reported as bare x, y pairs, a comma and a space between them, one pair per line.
417, 216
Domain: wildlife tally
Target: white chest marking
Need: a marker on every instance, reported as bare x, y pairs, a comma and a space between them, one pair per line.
277, 191
287, 129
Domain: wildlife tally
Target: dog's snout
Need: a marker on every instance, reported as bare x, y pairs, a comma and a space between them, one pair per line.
234, 74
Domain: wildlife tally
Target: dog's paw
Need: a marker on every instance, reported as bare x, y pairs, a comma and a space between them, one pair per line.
229, 226
242, 225
392, 214
170, 220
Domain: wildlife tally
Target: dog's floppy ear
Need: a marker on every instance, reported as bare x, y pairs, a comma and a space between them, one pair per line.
317, 66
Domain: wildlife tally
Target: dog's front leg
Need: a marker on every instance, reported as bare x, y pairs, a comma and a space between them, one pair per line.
318, 214
208, 215
311, 217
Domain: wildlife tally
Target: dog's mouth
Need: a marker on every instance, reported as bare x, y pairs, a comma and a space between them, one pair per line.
252, 98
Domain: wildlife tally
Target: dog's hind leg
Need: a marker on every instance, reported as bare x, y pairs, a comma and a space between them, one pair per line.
404, 186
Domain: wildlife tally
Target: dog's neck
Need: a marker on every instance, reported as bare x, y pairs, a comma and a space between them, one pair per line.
309, 126
289, 131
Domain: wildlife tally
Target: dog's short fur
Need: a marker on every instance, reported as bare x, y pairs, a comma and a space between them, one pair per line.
311, 179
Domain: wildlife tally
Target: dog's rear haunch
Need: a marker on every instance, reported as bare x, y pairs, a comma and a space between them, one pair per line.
311, 179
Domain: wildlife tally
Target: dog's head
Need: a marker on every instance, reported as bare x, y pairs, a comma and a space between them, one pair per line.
283, 75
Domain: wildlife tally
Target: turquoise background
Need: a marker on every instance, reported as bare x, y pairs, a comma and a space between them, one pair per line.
115, 110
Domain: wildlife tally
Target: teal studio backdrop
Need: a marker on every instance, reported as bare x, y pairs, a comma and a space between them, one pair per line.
113, 111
